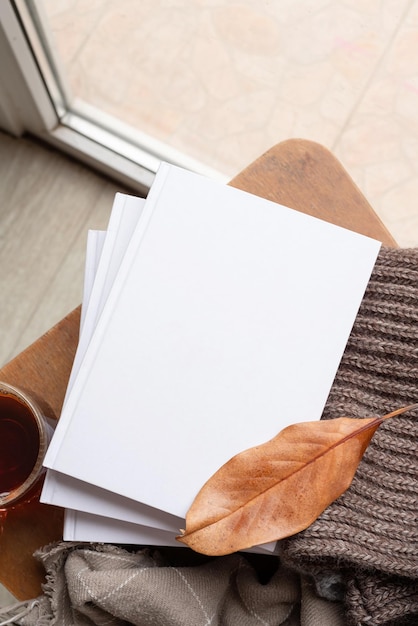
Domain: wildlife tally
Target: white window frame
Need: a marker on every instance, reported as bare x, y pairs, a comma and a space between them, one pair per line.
33, 100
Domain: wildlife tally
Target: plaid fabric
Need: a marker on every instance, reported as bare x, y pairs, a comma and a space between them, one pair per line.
103, 584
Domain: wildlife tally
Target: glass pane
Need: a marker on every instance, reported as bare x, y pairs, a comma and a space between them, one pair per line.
223, 80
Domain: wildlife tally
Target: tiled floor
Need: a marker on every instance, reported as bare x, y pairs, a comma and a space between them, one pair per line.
223, 81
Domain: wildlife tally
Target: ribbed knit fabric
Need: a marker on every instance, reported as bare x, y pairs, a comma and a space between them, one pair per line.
370, 534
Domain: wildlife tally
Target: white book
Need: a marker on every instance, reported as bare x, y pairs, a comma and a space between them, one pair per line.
105, 259
86, 527
226, 322
103, 256
80, 526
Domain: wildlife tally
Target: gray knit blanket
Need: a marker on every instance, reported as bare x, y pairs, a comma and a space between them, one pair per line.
369, 536
356, 565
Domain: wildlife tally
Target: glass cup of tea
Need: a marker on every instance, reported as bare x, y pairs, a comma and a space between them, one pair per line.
25, 434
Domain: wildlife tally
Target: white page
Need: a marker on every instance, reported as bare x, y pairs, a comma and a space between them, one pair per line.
94, 248
227, 322
125, 215
87, 527
80, 526
88, 498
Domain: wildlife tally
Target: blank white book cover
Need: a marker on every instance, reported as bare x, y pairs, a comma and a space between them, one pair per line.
226, 322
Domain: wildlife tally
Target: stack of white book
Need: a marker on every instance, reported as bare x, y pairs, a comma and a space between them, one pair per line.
211, 320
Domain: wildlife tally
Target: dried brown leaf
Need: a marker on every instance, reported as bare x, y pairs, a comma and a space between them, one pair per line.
279, 488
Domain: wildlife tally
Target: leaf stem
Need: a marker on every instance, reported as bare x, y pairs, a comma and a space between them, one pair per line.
404, 409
